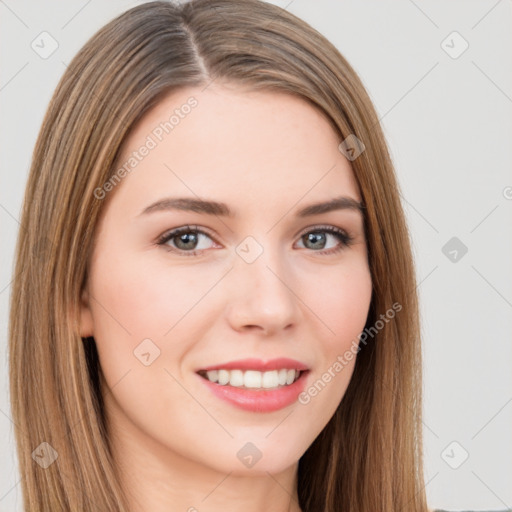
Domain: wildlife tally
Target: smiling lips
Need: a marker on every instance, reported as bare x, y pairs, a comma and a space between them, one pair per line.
254, 373
254, 385
253, 379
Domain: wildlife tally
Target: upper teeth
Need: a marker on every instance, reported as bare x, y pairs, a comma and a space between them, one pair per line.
253, 378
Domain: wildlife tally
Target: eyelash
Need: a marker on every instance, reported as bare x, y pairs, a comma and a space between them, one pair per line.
345, 239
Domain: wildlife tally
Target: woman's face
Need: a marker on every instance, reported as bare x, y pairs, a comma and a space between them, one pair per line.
264, 283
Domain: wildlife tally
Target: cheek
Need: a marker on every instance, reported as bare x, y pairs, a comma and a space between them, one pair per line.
142, 307
141, 300
133, 307
342, 301
140, 310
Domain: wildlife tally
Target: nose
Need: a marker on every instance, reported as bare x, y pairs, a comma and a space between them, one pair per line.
262, 297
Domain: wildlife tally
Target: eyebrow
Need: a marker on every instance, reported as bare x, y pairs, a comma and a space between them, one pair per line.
190, 204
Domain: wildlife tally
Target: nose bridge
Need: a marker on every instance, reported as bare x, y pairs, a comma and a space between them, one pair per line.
263, 293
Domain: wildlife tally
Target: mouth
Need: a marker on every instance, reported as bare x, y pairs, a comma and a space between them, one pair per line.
255, 373
262, 395
252, 379
255, 385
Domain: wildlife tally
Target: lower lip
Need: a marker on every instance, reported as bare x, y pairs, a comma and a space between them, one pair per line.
259, 400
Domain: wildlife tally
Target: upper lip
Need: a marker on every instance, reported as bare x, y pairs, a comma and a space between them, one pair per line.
258, 365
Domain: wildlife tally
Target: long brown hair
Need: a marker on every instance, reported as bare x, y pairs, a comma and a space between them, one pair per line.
369, 455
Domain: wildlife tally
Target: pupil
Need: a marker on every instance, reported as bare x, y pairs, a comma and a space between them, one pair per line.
187, 237
314, 237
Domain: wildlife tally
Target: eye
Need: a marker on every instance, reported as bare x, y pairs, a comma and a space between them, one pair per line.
185, 240
187, 237
318, 236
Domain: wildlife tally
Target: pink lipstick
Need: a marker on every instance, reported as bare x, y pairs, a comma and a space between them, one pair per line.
256, 385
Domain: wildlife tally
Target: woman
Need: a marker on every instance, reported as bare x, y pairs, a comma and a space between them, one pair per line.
276, 365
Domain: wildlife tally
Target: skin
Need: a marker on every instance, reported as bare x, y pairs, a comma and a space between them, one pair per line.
266, 155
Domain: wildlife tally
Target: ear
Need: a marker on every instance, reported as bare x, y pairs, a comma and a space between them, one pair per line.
86, 320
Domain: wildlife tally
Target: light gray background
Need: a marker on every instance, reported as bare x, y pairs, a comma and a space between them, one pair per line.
448, 125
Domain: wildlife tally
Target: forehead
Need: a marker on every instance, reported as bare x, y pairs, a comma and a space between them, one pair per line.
235, 146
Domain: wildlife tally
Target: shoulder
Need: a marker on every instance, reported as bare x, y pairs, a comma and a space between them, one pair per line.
441, 510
